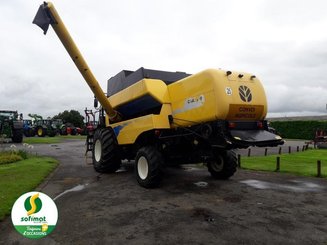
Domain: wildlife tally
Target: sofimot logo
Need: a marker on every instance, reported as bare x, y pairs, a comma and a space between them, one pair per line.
34, 215
33, 204
245, 93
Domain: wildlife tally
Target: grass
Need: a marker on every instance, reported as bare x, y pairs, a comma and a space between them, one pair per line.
9, 157
52, 140
301, 163
21, 177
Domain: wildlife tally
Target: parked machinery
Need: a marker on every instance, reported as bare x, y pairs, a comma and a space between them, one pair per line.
160, 118
29, 130
11, 125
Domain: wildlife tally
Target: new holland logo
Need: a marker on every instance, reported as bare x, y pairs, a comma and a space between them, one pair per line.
245, 93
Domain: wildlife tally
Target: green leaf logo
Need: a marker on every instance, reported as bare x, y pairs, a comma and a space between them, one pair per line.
245, 93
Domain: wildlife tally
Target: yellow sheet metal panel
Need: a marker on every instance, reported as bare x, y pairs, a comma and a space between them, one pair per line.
248, 100
154, 87
128, 131
162, 121
193, 99
212, 94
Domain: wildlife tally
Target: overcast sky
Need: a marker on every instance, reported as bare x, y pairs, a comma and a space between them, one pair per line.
282, 42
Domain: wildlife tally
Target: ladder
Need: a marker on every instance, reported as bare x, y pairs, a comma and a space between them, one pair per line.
89, 142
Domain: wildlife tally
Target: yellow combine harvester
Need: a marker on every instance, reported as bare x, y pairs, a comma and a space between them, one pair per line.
162, 118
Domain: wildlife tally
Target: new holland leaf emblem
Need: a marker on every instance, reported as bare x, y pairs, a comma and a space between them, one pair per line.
245, 93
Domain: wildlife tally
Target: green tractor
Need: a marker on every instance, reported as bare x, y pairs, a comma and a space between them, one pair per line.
45, 127
11, 126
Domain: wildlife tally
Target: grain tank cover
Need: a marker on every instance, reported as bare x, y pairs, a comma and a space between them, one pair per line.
126, 78
218, 95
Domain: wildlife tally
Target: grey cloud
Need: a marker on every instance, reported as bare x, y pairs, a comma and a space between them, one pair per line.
282, 42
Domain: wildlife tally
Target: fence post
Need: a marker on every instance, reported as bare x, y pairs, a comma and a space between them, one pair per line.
277, 164
318, 168
289, 150
303, 147
298, 148
249, 152
239, 160
266, 151
280, 150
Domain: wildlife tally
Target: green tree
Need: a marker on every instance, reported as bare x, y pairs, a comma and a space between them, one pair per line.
71, 116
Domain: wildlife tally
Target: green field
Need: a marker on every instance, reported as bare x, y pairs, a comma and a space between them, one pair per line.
20, 177
52, 140
301, 163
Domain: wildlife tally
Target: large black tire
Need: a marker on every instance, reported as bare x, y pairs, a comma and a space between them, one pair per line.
40, 131
105, 152
31, 132
148, 167
224, 165
73, 131
27, 133
52, 132
63, 131
17, 135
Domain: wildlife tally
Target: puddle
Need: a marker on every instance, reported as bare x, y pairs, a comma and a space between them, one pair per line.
121, 170
188, 168
295, 185
201, 184
56, 147
76, 188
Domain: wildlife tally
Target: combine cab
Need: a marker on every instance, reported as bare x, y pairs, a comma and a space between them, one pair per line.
160, 118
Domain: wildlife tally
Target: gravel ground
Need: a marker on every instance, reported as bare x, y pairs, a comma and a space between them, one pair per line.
189, 208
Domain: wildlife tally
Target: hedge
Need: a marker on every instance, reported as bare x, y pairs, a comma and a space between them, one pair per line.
298, 129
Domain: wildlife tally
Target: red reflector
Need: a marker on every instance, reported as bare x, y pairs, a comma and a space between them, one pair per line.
232, 125
157, 132
260, 125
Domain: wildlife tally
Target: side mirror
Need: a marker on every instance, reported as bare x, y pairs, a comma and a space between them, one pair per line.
96, 103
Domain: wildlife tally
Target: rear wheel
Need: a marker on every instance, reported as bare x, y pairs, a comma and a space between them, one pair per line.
17, 136
40, 132
105, 152
148, 165
224, 165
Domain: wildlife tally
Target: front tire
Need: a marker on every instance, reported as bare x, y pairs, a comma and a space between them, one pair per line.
105, 152
148, 167
63, 131
73, 131
224, 165
52, 133
31, 132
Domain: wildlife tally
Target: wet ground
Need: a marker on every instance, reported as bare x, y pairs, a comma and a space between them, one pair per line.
189, 207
